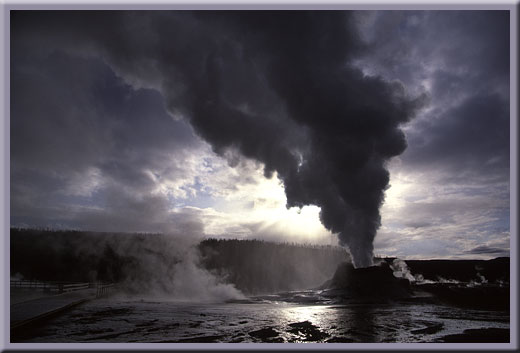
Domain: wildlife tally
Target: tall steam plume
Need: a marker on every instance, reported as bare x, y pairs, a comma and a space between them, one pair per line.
277, 87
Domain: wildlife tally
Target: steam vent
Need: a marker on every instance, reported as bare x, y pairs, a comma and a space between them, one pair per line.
375, 283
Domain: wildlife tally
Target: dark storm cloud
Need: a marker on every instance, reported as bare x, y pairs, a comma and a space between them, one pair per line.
418, 224
411, 45
462, 59
84, 145
456, 165
276, 87
487, 250
64, 104
473, 136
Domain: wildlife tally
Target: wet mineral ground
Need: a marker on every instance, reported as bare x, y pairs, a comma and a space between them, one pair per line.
292, 317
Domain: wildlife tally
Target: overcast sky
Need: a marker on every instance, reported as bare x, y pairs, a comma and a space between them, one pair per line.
386, 132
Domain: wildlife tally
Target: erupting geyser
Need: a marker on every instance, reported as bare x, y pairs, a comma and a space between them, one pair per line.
324, 126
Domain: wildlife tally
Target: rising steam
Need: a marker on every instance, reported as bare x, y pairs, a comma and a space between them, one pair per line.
167, 267
276, 87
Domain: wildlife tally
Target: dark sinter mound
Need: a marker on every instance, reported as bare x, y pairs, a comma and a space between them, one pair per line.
481, 297
375, 283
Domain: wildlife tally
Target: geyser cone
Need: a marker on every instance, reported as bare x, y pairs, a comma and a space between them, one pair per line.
367, 284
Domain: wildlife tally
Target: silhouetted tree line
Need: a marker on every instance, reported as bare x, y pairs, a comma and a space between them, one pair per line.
71, 255
256, 266
253, 266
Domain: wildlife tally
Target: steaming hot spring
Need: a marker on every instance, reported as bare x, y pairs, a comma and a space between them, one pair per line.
368, 284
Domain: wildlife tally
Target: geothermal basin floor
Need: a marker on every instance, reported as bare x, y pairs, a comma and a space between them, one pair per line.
287, 318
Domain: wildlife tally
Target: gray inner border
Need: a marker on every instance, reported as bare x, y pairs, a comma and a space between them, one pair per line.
5, 7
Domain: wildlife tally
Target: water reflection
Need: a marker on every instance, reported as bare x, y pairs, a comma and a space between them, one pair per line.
353, 323
362, 323
316, 314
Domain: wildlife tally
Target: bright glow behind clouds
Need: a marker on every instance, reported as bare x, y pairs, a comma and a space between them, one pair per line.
241, 202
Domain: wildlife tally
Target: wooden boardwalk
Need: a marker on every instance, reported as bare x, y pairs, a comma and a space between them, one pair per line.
24, 314
30, 311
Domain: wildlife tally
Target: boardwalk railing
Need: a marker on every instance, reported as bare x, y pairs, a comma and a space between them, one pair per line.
104, 289
31, 284
61, 287
74, 286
